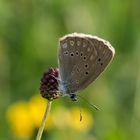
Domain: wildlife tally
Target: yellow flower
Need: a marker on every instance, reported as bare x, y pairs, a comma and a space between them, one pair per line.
37, 106
24, 117
19, 117
70, 118
61, 117
85, 123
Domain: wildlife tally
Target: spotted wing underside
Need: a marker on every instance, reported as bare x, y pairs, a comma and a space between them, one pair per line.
82, 58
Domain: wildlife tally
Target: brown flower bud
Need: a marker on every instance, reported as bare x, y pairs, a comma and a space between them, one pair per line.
49, 84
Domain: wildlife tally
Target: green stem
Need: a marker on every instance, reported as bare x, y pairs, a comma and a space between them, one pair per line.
40, 131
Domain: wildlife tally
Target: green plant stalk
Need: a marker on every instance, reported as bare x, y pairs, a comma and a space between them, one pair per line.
40, 131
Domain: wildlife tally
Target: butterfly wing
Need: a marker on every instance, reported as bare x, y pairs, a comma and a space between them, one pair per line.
91, 55
68, 58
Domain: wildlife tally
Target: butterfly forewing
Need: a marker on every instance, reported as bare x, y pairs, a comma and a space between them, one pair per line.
81, 60
66, 56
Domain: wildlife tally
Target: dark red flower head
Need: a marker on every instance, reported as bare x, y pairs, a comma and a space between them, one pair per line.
49, 84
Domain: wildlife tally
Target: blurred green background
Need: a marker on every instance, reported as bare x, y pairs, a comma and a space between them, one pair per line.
29, 33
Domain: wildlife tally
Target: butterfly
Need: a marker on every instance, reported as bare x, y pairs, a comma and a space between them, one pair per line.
81, 58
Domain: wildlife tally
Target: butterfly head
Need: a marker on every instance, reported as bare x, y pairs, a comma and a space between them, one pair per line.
73, 97
66, 91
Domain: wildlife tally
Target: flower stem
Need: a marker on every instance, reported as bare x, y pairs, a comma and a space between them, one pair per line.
40, 131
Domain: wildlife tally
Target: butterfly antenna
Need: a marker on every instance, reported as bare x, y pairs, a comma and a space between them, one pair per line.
92, 105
